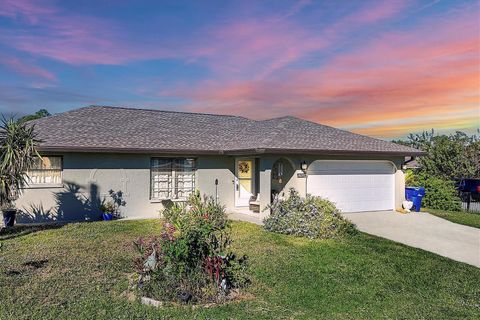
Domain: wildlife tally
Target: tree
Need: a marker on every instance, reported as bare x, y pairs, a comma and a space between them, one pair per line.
39, 114
18, 152
448, 156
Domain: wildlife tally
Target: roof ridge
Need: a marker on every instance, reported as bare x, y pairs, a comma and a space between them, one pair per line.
347, 131
278, 118
166, 111
269, 139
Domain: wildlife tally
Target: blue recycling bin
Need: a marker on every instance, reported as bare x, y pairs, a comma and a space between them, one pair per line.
415, 194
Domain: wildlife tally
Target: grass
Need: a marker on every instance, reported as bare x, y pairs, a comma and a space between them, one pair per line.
79, 271
460, 217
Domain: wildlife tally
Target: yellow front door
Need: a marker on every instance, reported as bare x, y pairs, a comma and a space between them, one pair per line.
245, 181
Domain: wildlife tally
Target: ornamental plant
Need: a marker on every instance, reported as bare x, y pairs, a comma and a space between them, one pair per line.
311, 217
113, 205
191, 260
18, 152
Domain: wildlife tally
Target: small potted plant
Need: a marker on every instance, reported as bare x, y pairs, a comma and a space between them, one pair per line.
9, 214
111, 208
108, 210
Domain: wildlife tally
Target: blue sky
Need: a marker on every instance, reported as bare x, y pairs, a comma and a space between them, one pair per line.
382, 68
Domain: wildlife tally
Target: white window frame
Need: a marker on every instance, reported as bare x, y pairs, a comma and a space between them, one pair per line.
31, 184
172, 181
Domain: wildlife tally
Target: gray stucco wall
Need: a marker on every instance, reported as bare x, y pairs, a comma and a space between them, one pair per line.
299, 183
87, 177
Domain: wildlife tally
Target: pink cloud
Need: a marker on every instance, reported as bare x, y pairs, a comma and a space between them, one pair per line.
256, 47
72, 38
395, 77
26, 9
262, 46
26, 68
381, 11
367, 15
268, 45
298, 6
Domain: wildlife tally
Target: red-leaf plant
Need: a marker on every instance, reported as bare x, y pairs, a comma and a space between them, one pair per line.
214, 267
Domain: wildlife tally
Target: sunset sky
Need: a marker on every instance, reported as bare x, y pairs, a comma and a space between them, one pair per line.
381, 68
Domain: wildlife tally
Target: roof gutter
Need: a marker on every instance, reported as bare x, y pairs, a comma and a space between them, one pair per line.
126, 150
229, 152
404, 165
323, 152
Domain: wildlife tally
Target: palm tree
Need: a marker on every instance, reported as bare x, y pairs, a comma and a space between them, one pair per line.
18, 152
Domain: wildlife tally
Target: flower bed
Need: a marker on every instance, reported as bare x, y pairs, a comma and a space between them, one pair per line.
191, 261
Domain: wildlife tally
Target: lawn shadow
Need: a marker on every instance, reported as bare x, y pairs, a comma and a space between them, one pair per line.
21, 230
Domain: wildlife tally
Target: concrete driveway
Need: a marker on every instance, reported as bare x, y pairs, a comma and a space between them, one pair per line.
424, 231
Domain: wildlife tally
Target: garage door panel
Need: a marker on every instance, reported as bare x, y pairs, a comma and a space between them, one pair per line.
354, 192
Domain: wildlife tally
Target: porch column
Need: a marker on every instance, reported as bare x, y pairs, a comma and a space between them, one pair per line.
265, 190
399, 189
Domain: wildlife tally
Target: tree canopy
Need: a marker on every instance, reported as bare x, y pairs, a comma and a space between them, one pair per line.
450, 156
37, 115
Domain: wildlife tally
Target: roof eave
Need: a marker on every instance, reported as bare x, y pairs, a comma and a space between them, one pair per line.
227, 152
325, 152
60, 149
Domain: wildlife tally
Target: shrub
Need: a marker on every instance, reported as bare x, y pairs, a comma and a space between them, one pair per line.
311, 217
439, 193
409, 178
191, 260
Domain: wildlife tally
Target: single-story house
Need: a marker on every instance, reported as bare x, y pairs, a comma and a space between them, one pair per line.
159, 157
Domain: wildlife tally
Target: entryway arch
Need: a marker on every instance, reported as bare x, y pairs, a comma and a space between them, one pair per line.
282, 172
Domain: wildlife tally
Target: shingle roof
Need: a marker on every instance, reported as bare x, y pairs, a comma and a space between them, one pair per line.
118, 129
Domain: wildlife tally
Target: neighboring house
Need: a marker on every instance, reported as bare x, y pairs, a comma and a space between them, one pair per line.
411, 163
159, 157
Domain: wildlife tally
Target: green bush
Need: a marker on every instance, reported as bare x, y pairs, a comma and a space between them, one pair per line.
311, 217
191, 260
439, 193
409, 178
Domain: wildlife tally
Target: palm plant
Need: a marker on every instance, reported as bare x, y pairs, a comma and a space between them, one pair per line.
18, 152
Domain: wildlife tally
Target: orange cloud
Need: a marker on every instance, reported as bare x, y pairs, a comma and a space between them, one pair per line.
397, 130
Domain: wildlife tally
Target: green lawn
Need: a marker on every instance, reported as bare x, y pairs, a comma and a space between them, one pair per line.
465, 218
86, 266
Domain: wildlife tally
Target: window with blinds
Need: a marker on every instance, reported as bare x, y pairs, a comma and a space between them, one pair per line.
172, 178
47, 170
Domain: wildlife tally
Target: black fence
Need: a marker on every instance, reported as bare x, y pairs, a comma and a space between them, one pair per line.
470, 203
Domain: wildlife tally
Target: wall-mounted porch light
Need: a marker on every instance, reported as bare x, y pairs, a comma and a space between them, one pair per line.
304, 166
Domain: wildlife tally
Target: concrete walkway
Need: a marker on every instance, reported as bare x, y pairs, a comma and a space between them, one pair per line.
424, 231
244, 216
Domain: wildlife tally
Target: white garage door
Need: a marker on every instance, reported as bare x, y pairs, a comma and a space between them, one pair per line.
353, 185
